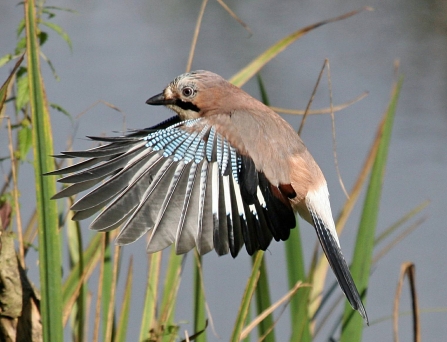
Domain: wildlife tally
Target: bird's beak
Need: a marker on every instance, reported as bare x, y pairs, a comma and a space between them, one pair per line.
160, 100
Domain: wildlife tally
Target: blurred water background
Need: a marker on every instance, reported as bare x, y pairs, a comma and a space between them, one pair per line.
126, 51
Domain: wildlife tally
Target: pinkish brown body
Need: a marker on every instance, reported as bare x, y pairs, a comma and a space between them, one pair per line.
224, 172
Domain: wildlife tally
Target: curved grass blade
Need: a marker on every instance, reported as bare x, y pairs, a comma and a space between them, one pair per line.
258, 63
407, 269
352, 325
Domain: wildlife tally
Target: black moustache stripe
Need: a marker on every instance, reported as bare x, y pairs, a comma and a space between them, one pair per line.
186, 105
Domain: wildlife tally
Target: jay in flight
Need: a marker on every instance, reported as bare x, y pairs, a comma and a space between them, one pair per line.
224, 172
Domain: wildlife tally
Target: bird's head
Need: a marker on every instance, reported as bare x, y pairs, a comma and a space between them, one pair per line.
195, 94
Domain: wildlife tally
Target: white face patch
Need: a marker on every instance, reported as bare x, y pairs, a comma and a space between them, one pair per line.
184, 114
168, 93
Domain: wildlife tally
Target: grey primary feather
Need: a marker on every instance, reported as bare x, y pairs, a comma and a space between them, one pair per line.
100, 151
114, 185
106, 168
204, 238
128, 199
185, 184
338, 264
86, 213
185, 238
144, 216
76, 167
76, 188
166, 224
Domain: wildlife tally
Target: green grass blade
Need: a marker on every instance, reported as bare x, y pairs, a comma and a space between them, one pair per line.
263, 302
333, 289
296, 272
263, 91
107, 284
262, 293
125, 307
170, 291
4, 60
60, 31
352, 322
321, 264
150, 302
116, 266
247, 322
300, 324
258, 63
49, 243
199, 300
246, 298
78, 315
23, 91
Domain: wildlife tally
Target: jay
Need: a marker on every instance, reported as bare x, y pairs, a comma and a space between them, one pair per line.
224, 172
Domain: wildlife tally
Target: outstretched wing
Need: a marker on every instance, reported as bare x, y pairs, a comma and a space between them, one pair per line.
184, 184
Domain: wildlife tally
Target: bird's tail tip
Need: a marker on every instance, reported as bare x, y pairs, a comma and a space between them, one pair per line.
362, 312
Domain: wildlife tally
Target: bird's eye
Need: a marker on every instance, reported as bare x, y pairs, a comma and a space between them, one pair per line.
187, 91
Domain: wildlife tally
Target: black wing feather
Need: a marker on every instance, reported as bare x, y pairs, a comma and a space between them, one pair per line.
279, 212
248, 178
